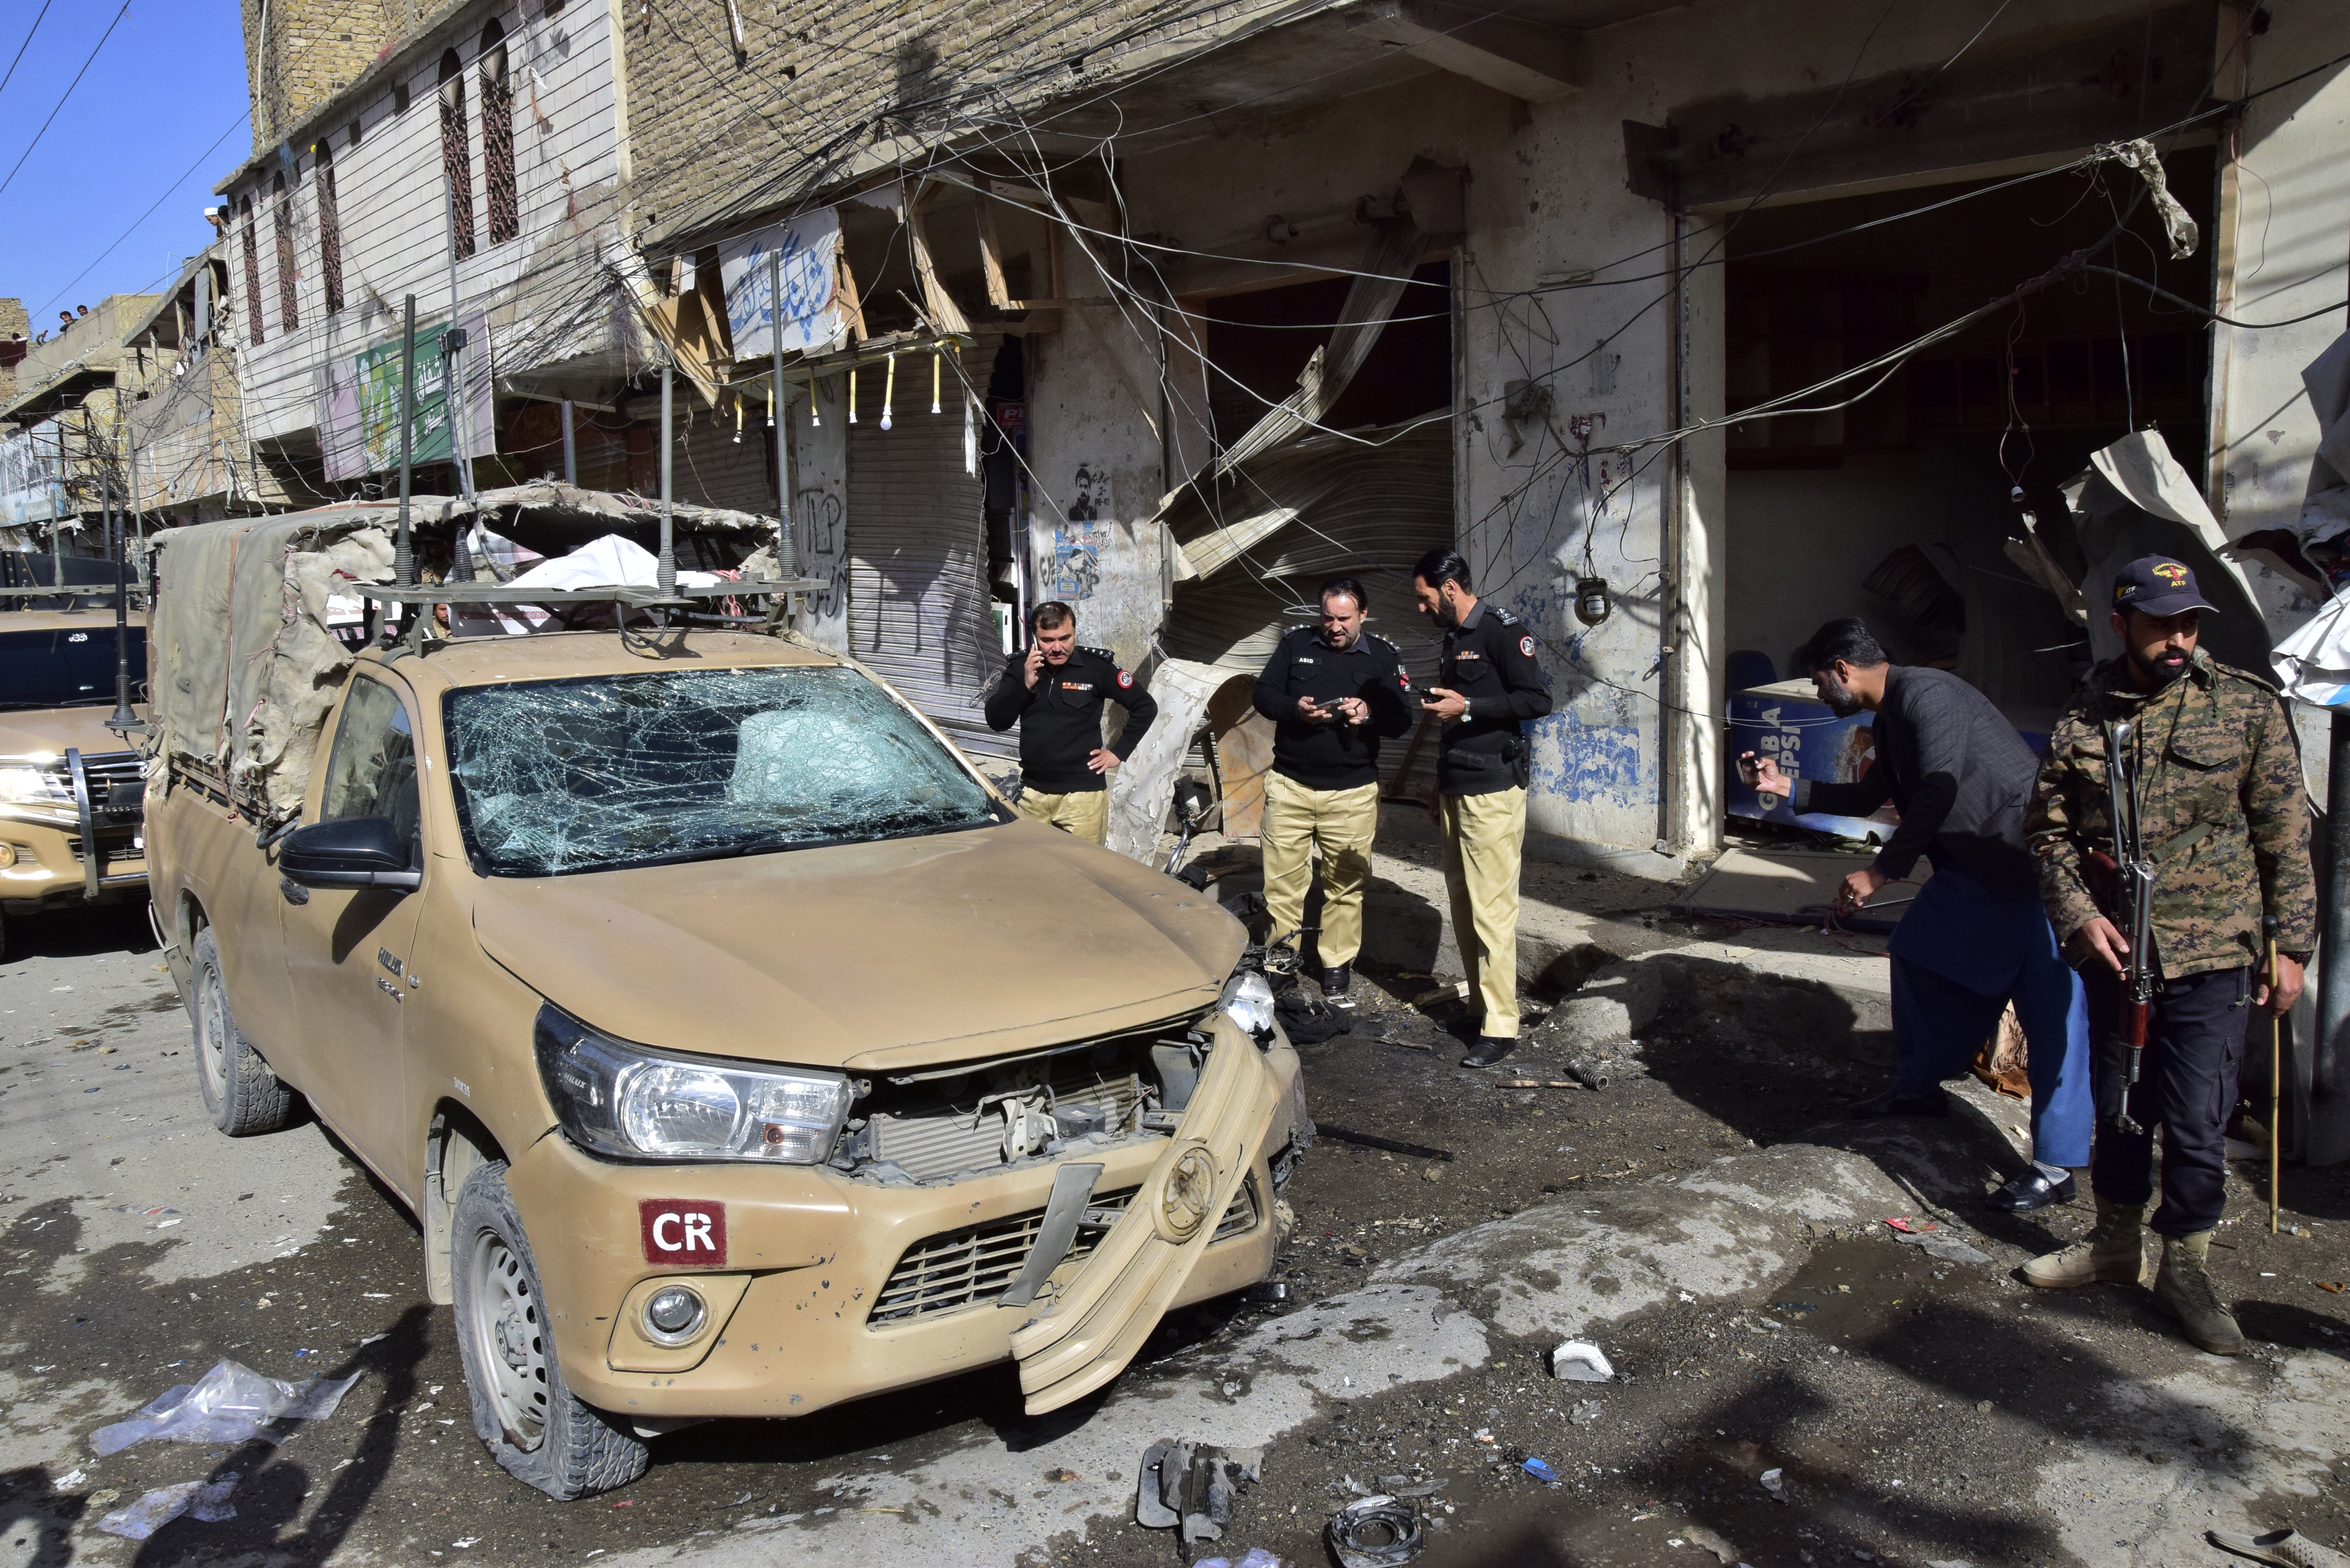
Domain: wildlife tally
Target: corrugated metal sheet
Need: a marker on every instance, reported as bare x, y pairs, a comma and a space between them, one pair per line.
1365, 511
919, 610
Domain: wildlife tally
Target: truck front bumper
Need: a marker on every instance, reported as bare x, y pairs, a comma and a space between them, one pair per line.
832, 1289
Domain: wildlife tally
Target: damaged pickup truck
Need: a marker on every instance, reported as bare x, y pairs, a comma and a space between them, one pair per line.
738, 1049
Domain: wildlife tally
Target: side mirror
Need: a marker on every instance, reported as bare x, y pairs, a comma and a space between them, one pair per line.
357, 851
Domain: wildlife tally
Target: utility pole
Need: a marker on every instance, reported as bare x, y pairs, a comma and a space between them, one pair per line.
452, 348
403, 564
665, 574
570, 448
786, 553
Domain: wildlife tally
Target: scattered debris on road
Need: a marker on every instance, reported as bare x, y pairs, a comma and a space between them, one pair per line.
232, 1404
204, 1501
1576, 1361
1189, 1489
1375, 1532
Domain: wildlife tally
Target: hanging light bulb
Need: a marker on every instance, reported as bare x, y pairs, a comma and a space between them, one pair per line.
738, 421
1592, 600
771, 405
852, 394
937, 363
888, 388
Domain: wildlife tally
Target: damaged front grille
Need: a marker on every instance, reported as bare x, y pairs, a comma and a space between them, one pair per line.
972, 1119
959, 1270
973, 1266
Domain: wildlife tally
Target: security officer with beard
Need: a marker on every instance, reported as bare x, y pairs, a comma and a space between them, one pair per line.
1489, 684
2224, 818
1055, 692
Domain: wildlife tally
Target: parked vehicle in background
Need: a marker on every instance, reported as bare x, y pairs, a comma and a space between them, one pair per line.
739, 1049
70, 789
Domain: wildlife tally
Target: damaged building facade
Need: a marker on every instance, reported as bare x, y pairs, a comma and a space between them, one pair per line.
1693, 324
1638, 302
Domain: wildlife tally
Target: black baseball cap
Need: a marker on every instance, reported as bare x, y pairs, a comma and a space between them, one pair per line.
2156, 584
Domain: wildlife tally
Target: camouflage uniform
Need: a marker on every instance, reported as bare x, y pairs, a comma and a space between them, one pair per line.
2220, 806
2226, 824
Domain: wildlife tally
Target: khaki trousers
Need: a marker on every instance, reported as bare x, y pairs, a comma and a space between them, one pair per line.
1084, 812
1342, 822
1484, 835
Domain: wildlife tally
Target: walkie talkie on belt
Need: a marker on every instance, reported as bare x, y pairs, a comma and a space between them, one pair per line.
2131, 875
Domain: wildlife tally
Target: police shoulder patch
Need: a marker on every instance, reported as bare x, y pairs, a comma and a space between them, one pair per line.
1526, 645
1126, 679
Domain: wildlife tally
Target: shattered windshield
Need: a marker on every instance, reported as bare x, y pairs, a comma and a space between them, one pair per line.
559, 776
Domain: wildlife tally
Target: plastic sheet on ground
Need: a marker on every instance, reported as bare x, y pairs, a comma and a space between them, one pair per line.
231, 1403
204, 1501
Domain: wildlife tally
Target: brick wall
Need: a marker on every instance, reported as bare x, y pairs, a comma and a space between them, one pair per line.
312, 51
825, 85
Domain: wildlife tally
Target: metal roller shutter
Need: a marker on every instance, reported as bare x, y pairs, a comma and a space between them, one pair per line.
919, 611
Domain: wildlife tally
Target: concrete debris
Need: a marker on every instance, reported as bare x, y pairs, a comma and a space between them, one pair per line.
1576, 1362
1775, 1482
1698, 1535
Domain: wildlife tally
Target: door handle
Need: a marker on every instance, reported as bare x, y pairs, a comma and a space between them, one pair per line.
294, 892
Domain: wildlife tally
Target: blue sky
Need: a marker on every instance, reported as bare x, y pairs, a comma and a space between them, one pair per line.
165, 87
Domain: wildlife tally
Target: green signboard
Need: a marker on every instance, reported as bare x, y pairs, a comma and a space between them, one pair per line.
378, 401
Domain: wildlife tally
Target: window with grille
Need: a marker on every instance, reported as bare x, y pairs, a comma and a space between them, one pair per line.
497, 137
252, 271
456, 157
289, 278
330, 230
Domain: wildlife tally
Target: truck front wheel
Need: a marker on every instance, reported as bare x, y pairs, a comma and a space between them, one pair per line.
240, 1094
522, 1410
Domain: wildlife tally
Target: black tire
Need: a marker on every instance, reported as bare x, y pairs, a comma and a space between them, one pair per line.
523, 1412
240, 1094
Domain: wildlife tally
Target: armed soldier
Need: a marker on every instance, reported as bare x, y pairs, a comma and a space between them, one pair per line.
1055, 692
2220, 815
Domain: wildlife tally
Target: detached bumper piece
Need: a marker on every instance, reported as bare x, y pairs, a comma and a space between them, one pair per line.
1095, 1325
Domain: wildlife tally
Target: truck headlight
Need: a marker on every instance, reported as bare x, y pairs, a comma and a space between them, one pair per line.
21, 786
1248, 997
624, 1101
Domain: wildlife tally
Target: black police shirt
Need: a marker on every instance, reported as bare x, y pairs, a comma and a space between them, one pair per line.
1489, 659
1060, 717
1331, 753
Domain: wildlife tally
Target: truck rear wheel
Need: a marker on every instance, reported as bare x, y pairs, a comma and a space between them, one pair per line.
523, 1412
240, 1094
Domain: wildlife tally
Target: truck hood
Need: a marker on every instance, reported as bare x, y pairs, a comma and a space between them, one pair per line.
47, 732
868, 957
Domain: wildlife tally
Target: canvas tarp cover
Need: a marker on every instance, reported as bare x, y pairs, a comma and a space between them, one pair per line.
244, 666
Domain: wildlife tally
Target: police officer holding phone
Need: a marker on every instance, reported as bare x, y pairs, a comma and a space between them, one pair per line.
1488, 684
1055, 692
1331, 692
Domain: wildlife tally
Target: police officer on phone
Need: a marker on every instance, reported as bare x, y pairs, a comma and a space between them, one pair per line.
1331, 692
1489, 684
1055, 692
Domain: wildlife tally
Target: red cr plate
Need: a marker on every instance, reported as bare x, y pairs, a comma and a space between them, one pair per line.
681, 1231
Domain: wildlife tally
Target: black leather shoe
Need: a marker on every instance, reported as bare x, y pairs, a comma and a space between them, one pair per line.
1893, 1103
1336, 980
1488, 1051
2033, 1191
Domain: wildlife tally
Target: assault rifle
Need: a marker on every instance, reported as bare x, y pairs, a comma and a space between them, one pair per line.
2132, 877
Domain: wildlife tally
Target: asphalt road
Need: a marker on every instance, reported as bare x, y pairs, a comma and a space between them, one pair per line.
1696, 1220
